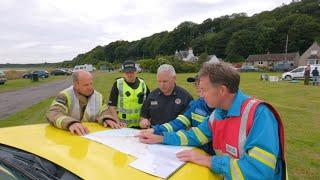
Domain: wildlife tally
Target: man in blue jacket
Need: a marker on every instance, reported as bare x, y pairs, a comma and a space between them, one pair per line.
197, 112
247, 134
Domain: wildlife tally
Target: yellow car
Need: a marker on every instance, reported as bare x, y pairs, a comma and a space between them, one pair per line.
44, 152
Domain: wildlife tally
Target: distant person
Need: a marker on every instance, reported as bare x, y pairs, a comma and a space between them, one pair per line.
246, 134
197, 112
307, 75
315, 77
166, 102
78, 103
127, 96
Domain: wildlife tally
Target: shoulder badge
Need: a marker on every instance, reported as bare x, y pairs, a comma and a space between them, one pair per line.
61, 100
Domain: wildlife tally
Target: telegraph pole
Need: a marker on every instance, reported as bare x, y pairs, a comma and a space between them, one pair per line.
286, 48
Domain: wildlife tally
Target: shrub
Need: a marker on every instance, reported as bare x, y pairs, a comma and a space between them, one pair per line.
13, 74
152, 65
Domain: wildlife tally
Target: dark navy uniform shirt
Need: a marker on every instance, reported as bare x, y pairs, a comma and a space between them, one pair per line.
161, 109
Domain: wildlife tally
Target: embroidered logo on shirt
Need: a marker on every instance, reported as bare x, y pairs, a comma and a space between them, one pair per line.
153, 103
178, 101
231, 150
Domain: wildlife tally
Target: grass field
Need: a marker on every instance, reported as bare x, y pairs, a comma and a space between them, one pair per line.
16, 84
298, 105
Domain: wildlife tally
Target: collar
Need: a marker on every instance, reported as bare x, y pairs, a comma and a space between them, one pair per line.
130, 83
173, 93
208, 108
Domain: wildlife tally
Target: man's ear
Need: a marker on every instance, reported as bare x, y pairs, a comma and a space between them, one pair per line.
75, 85
224, 90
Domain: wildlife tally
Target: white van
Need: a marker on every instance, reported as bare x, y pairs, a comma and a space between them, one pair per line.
298, 73
139, 70
86, 67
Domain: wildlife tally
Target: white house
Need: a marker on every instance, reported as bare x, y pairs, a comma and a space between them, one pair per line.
186, 56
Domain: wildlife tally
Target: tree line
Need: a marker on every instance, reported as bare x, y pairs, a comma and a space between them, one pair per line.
231, 37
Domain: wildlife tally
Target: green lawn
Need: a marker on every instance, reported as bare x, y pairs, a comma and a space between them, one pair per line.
298, 105
16, 84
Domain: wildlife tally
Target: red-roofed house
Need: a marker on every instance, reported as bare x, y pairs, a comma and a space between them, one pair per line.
273, 59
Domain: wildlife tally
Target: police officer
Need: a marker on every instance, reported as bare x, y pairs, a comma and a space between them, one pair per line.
78, 103
127, 96
166, 102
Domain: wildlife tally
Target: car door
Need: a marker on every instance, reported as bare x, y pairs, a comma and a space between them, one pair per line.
298, 73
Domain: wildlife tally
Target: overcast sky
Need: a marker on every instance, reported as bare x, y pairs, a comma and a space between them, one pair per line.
37, 31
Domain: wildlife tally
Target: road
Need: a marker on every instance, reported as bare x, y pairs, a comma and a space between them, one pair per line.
15, 101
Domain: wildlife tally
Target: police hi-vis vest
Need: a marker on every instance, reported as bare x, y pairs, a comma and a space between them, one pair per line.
230, 135
128, 106
93, 108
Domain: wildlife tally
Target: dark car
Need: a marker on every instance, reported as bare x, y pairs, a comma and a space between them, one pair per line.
283, 67
67, 70
3, 78
57, 72
249, 69
40, 73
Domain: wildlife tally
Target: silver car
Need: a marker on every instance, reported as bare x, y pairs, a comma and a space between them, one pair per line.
3, 78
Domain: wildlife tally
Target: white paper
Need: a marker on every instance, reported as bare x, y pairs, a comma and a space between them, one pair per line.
157, 165
156, 159
123, 132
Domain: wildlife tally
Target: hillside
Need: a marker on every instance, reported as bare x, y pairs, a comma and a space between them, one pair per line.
231, 37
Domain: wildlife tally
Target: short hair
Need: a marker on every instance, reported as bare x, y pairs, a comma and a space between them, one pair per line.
75, 76
167, 68
222, 74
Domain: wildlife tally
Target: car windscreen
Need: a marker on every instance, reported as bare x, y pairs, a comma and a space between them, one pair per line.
19, 164
298, 70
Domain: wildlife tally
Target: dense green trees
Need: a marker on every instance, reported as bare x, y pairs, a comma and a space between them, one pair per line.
231, 37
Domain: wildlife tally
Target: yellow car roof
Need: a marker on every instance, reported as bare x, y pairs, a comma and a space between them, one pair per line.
85, 158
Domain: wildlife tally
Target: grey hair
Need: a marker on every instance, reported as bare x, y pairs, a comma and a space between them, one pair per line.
167, 68
75, 76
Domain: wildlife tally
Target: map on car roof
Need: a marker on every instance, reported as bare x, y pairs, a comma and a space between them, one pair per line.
148, 159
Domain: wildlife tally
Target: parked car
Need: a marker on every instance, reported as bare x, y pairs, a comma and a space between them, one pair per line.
67, 70
3, 78
44, 152
283, 67
40, 73
249, 69
298, 73
57, 72
26, 75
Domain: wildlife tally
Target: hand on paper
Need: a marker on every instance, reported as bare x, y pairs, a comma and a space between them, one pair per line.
147, 131
148, 138
114, 125
195, 157
144, 123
